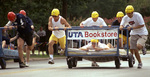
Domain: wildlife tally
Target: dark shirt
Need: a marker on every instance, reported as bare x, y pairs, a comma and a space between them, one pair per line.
4, 38
23, 27
116, 23
29, 21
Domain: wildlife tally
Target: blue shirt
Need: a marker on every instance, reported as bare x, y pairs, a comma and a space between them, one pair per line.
23, 27
29, 21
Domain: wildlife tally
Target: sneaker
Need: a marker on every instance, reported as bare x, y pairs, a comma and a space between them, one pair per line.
95, 64
51, 61
61, 52
22, 65
139, 65
27, 64
144, 50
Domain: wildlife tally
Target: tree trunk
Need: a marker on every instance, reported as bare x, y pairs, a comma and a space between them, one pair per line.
64, 8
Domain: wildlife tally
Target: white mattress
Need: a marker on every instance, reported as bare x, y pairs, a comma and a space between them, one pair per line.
75, 51
112, 51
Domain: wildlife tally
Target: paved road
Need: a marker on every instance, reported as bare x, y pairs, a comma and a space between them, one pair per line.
83, 69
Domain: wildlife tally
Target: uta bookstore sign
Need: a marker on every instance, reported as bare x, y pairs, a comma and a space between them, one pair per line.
93, 34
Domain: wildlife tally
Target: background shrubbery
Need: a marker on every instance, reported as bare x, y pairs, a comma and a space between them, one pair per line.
74, 11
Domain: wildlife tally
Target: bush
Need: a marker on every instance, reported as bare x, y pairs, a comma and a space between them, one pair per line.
75, 21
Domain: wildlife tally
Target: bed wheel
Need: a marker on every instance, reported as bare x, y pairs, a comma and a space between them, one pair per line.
131, 60
69, 62
117, 62
3, 63
74, 62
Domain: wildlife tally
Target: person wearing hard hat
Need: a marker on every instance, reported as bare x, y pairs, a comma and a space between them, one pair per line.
138, 34
29, 21
122, 36
94, 20
119, 16
24, 33
96, 46
56, 21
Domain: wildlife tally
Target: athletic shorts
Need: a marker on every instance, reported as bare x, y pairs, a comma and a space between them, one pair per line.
62, 41
27, 38
137, 39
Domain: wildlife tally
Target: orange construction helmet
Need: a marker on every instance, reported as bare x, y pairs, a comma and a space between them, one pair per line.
22, 12
11, 16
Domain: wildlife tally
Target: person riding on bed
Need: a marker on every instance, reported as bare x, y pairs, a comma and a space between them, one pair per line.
96, 46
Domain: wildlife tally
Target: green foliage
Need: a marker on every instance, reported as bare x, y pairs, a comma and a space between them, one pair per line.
77, 10
75, 21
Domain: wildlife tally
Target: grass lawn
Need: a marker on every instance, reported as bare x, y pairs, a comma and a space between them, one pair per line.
36, 55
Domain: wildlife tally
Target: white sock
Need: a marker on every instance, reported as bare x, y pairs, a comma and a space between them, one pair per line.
51, 56
62, 50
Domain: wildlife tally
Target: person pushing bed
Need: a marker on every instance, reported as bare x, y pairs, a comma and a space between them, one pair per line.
56, 21
97, 46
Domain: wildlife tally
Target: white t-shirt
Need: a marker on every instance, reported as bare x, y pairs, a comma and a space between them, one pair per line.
90, 22
100, 45
58, 33
136, 20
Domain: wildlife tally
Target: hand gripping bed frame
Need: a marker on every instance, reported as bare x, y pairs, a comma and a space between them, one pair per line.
105, 35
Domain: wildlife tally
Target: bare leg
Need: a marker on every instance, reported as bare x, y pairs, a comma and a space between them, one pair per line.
34, 40
120, 42
33, 51
3, 44
137, 55
29, 48
51, 51
139, 46
20, 42
28, 54
132, 51
50, 48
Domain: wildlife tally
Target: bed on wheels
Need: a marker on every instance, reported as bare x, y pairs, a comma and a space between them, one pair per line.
104, 35
6, 54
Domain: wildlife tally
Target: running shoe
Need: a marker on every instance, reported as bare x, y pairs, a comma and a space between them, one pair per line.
27, 64
139, 65
144, 51
51, 61
22, 65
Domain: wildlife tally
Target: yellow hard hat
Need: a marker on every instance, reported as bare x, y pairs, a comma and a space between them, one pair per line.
120, 14
94, 40
94, 14
129, 9
55, 12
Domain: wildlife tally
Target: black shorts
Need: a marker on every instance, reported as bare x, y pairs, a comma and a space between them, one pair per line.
27, 38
